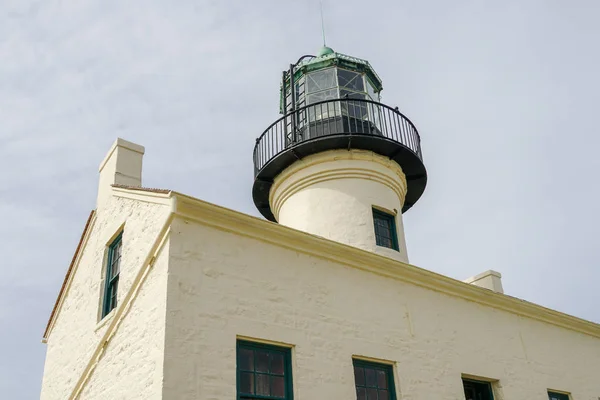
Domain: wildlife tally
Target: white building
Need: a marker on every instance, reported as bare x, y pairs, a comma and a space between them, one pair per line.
170, 297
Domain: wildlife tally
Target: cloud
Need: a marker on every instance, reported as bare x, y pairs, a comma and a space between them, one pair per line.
503, 94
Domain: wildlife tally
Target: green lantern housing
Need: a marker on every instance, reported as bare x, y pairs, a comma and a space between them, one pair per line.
334, 104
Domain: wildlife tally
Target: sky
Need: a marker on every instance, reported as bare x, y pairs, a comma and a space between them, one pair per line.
503, 93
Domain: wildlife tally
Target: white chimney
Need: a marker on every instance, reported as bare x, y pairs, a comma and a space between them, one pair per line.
489, 279
122, 166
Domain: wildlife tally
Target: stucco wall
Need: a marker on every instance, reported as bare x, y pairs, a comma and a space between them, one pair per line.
332, 194
132, 366
222, 285
76, 331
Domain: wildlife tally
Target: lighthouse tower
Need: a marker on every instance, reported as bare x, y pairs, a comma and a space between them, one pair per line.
339, 163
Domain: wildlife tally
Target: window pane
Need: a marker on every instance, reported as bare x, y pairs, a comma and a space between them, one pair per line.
351, 94
277, 363
350, 80
270, 366
262, 361
277, 386
359, 376
246, 359
371, 92
384, 230
381, 379
113, 294
361, 393
371, 380
262, 384
371, 394
115, 268
322, 96
320, 80
558, 396
475, 390
247, 382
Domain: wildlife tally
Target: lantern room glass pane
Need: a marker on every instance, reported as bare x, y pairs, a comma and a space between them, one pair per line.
321, 96
371, 92
320, 80
351, 94
350, 80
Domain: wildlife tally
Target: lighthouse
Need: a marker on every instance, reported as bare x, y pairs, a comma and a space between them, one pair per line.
339, 163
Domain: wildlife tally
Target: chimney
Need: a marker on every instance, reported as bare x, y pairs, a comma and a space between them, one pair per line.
122, 166
489, 279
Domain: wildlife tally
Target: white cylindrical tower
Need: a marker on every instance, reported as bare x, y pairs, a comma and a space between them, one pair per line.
339, 164
340, 195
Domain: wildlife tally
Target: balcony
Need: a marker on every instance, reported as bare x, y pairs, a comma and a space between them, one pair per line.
338, 124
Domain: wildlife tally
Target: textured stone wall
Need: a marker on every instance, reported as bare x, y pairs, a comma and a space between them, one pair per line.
222, 285
77, 330
131, 367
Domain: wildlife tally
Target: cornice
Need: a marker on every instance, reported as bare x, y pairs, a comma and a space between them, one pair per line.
290, 181
245, 225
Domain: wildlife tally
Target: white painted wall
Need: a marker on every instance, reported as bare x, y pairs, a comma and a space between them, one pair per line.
132, 367
332, 194
222, 285
77, 330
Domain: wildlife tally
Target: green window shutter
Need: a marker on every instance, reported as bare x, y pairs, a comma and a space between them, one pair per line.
263, 372
373, 381
113, 269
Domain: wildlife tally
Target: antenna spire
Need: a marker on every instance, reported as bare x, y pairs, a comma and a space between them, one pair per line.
323, 24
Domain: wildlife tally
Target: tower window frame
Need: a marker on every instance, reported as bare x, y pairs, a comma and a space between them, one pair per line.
373, 380
262, 368
384, 225
112, 274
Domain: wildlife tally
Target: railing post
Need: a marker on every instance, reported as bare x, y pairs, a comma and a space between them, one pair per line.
293, 100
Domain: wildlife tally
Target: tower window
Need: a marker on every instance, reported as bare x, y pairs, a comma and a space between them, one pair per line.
373, 381
385, 229
113, 268
557, 396
263, 372
477, 390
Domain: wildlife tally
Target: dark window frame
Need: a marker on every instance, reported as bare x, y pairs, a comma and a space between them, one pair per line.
388, 369
558, 395
286, 352
477, 384
390, 219
111, 276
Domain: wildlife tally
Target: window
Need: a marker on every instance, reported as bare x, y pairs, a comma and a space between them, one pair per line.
113, 267
350, 80
263, 372
373, 381
385, 229
557, 396
320, 80
477, 390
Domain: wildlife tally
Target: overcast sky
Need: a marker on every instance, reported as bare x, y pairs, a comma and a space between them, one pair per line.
505, 95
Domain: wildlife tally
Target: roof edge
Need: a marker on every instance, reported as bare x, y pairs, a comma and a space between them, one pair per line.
61, 292
141, 189
246, 225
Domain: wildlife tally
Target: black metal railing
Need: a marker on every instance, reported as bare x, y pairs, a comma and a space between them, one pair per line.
345, 116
